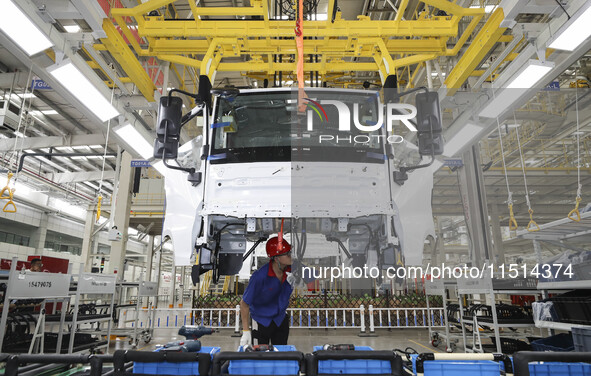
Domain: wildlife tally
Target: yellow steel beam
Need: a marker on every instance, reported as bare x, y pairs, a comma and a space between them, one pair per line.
332, 66
130, 37
330, 11
401, 10
118, 48
207, 62
182, 60
471, 26
287, 46
383, 59
158, 27
479, 48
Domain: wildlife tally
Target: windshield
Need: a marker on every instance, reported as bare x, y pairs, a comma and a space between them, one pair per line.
267, 126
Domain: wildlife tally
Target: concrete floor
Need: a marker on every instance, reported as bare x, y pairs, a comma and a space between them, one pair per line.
304, 339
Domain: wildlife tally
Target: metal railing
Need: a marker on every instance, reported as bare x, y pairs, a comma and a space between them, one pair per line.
398, 318
176, 317
327, 318
300, 318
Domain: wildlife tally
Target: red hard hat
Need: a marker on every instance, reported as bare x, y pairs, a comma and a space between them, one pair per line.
274, 249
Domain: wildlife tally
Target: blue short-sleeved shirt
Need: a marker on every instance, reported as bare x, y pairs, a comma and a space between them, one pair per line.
266, 296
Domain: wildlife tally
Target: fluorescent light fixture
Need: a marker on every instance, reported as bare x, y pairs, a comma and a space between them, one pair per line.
134, 139
526, 78
21, 29
66, 207
26, 95
530, 75
461, 139
91, 185
574, 32
81, 87
72, 28
45, 112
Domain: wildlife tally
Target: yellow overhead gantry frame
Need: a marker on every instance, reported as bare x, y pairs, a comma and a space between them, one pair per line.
340, 45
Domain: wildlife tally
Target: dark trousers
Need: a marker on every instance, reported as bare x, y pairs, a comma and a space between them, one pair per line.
277, 334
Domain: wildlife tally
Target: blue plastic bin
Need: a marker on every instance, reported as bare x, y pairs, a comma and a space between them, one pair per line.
459, 367
558, 342
559, 369
173, 368
354, 366
265, 367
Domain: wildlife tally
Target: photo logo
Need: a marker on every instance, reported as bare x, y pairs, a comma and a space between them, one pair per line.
316, 107
391, 113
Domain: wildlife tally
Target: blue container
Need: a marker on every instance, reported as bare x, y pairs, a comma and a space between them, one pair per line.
354, 366
265, 367
459, 367
173, 368
558, 342
559, 369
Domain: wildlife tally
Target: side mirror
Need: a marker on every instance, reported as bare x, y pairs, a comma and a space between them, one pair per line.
169, 123
390, 89
429, 124
167, 150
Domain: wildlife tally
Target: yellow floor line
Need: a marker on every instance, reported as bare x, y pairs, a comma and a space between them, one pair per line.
141, 348
431, 349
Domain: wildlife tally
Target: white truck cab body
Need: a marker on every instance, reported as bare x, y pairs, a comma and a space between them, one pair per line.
264, 160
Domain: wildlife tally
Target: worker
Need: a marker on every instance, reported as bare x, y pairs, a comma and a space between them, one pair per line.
36, 265
267, 296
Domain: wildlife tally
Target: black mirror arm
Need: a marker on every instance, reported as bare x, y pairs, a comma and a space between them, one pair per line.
412, 168
401, 176
194, 96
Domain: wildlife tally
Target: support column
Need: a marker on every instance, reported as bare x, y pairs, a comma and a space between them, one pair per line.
38, 237
149, 258
499, 257
159, 272
182, 287
87, 240
173, 293
438, 247
121, 217
475, 208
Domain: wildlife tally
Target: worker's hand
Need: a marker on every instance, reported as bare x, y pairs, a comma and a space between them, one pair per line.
294, 281
246, 338
291, 279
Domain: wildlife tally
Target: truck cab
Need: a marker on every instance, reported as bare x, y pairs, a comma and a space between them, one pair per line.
319, 164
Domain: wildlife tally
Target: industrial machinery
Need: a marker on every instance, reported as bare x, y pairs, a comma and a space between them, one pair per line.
333, 162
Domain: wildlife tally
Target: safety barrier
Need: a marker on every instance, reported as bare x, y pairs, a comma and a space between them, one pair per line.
177, 317
398, 318
300, 318
327, 318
